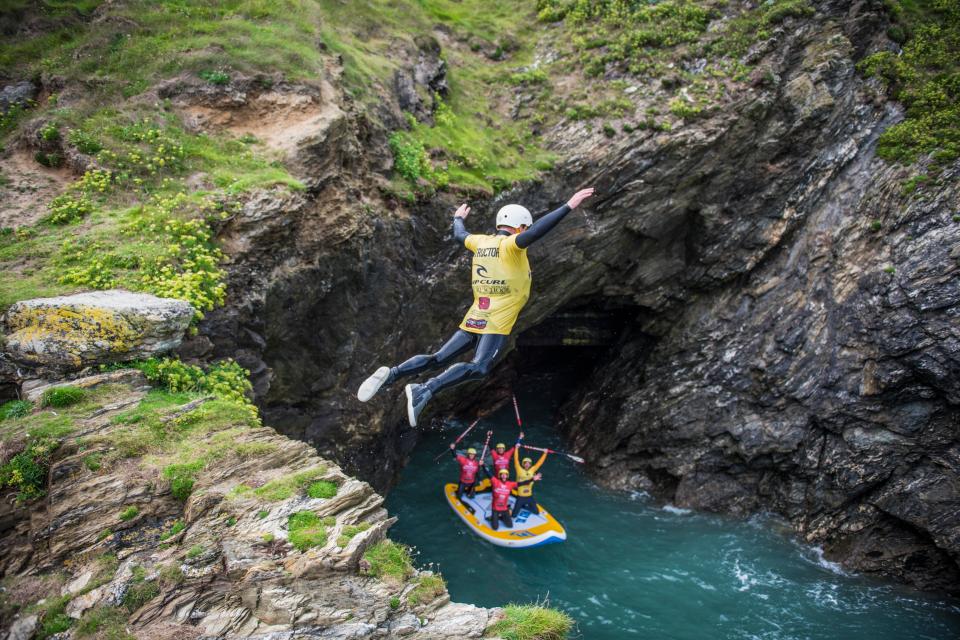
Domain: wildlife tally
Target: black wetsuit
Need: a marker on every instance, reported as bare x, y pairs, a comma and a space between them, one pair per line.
487, 345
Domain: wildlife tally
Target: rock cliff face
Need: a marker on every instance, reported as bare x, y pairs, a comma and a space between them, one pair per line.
117, 544
791, 339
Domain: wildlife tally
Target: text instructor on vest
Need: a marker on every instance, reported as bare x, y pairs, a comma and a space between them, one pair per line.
500, 277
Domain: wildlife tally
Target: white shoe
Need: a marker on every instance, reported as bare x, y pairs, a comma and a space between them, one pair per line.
372, 384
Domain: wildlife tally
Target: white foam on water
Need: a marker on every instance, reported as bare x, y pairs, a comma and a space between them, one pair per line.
822, 562
669, 508
703, 585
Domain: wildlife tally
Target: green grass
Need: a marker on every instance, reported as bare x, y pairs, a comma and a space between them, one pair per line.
15, 409
62, 396
140, 591
194, 551
350, 531
322, 489
428, 588
389, 560
926, 79
176, 528
53, 616
286, 486
532, 622
129, 513
106, 622
305, 530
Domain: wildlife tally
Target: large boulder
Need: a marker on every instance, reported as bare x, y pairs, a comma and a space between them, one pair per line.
71, 332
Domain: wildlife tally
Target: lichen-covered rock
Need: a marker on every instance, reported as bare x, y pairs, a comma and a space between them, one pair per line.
17, 93
72, 332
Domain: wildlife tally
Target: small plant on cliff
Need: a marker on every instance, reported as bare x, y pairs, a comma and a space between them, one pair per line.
306, 530
105, 622
428, 588
15, 409
924, 76
225, 379
182, 477
215, 77
194, 551
410, 159
532, 622
129, 513
62, 396
322, 489
139, 591
27, 471
350, 531
389, 560
177, 527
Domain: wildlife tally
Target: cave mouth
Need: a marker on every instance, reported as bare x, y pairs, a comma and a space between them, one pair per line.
554, 359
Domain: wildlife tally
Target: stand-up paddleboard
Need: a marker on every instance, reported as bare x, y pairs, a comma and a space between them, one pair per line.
528, 530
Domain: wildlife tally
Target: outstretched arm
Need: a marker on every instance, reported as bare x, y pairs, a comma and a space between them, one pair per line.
459, 228
547, 222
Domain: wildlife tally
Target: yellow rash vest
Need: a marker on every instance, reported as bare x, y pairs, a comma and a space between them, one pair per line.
526, 474
500, 276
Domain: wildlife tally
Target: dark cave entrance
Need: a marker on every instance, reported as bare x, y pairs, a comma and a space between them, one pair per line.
558, 355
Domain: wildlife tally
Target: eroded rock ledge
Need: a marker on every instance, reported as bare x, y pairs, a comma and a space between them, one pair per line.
115, 534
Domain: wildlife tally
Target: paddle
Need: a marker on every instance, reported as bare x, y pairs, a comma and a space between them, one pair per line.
559, 453
486, 445
516, 410
461, 437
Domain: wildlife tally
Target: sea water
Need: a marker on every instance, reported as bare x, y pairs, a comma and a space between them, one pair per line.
632, 568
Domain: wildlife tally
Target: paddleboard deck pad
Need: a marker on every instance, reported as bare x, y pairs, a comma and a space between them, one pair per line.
528, 530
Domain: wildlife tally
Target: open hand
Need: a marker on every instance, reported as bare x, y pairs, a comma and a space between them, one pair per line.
579, 197
453, 447
537, 477
462, 212
521, 435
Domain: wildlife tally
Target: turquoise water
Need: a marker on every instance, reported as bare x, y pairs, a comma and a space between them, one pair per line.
633, 569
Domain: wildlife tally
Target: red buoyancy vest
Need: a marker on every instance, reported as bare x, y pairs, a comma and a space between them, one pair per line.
501, 493
468, 469
501, 461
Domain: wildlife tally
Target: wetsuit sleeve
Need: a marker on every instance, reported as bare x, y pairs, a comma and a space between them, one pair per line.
543, 225
460, 234
542, 459
516, 459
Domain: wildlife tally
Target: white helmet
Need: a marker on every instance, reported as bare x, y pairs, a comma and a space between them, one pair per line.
513, 215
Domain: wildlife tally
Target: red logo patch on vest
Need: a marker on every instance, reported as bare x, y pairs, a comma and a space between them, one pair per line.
483, 303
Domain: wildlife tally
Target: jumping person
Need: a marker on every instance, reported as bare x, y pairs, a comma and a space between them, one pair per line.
502, 488
501, 286
526, 470
469, 465
501, 455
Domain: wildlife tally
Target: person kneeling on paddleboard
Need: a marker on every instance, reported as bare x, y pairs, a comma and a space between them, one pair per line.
469, 466
526, 470
501, 455
502, 488
501, 286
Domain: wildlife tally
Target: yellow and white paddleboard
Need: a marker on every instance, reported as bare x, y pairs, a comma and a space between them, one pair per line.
528, 530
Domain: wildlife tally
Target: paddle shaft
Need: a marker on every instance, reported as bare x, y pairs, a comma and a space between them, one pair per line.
486, 444
461, 437
516, 410
559, 453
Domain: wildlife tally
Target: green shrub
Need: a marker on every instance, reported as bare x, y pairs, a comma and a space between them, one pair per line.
139, 592
15, 409
322, 489
410, 159
129, 513
925, 77
215, 77
306, 530
50, 132
62, 396
103, 535
92, 461
684, 109
177, 527
394, 603
84, 142
390, 560
105, 622
876, 225
532, 622
49, 159
225, 379
263, 513
182, 477
27, 472
427, 589
194, 551
231, 521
